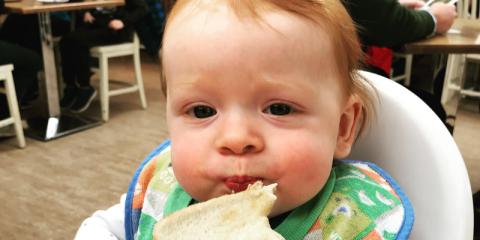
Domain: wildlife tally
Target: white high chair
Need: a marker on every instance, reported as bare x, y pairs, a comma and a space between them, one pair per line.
9, 91
103, 53
410, 142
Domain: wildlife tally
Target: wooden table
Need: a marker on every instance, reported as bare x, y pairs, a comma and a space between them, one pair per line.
34, 6
57, 124
463, 37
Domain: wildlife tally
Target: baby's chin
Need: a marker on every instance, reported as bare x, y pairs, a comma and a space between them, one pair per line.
279, 208
285, 204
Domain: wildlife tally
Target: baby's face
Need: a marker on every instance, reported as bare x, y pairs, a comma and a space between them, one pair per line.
248, 102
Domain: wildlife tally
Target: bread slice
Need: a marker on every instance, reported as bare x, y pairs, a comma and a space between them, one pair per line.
241, 215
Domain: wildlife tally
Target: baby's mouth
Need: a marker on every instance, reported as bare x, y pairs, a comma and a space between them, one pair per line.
240, 183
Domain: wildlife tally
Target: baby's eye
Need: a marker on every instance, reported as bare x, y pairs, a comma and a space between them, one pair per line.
279, 109
202, 111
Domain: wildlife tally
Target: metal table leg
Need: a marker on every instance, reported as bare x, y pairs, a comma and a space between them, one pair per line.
56, 124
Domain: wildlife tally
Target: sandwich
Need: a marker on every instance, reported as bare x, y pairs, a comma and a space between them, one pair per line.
240, 215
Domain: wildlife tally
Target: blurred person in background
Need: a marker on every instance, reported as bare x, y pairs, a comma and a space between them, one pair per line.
100, 26
383, 25
26, 64
390, 23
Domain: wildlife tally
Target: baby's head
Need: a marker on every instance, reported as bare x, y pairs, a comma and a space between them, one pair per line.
260, 90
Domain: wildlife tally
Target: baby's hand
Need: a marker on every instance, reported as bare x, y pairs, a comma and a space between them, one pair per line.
88, 18
115, 24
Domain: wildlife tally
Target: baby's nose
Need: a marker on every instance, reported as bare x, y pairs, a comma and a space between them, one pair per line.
231, 147
239, 141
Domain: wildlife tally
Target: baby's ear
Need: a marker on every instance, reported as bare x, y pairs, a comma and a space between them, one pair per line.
347, 129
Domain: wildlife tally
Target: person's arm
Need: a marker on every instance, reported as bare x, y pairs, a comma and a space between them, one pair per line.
104, 224
387, 23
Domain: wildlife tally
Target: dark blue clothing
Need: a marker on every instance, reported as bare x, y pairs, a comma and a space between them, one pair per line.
75, 46
26, 64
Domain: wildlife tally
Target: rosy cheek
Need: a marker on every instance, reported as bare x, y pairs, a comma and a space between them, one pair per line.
182, 162
304, 170
308, 167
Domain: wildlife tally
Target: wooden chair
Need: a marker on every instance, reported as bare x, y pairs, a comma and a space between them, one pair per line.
406, 75
9, 90
103, 53
469, 9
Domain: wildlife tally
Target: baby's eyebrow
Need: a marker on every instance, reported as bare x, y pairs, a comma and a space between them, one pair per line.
292, 84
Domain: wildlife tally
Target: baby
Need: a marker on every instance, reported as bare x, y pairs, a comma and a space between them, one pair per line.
262, 91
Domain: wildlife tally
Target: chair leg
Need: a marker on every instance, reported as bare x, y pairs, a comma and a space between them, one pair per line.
139, 79
408, 69
14, 112
449, 87
104, 91
463, 76
475, 75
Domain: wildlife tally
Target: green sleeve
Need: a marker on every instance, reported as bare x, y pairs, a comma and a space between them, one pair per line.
387, 23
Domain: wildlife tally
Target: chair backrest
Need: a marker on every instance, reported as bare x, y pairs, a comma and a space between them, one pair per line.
117, 49
468, 9
5, 71
410, 142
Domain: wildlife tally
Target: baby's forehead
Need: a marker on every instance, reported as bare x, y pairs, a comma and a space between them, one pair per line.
194, 22
198, 26
218, 42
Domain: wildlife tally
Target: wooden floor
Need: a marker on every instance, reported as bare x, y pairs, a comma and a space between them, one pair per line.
48, 188
467, 137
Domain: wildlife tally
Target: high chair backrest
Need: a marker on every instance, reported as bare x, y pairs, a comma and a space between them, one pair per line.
409, 141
